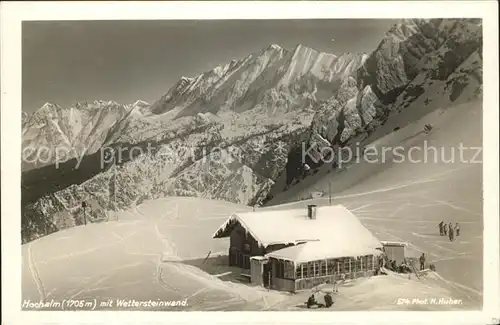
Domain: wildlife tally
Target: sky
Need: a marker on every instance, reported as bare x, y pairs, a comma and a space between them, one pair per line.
66, 62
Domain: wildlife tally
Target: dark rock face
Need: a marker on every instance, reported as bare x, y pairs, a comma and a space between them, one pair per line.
399, 57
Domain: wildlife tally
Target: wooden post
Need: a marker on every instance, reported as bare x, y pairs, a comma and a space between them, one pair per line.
114, 185
206, 258
329, 193
261, 272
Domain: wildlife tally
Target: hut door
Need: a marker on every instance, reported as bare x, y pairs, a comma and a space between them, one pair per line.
246, 261
267, 271
233, 257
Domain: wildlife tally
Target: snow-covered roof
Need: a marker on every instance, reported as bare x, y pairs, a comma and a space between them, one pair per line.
335, 232
394, 243
320, 250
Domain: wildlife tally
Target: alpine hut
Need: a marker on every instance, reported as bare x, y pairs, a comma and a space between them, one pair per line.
298, 249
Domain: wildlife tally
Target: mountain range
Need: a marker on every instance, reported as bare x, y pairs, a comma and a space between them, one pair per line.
236, 132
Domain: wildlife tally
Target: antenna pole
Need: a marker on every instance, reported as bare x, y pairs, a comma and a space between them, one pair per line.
84, 205
114, 184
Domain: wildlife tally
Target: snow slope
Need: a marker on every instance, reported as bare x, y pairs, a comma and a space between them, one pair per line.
56, 134
405, 200
157, 251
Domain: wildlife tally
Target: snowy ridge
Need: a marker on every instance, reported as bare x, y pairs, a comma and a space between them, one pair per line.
273, 74
411, 64
74, 131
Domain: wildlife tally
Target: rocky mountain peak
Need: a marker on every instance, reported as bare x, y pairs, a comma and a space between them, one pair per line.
140, 103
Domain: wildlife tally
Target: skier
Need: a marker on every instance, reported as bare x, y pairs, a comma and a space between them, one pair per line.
445, 229
457, 228
422, 262
440, 225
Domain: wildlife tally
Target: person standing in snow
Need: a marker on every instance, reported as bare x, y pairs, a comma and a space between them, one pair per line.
445, 229
451, 232
441, 231
422, 262
457, 228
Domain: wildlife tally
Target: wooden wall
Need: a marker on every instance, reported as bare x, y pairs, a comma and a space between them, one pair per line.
394, 252
257, 272
283, 284
242, 243
308, 283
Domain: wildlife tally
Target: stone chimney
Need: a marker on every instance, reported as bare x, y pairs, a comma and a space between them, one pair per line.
311, 211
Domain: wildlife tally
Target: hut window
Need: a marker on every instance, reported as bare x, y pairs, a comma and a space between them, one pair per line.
305, 270
369, 262
347, 265
331, 267
289, 270
280, 269
322, 268
359, 264
310, 269
316, 269
299, 271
